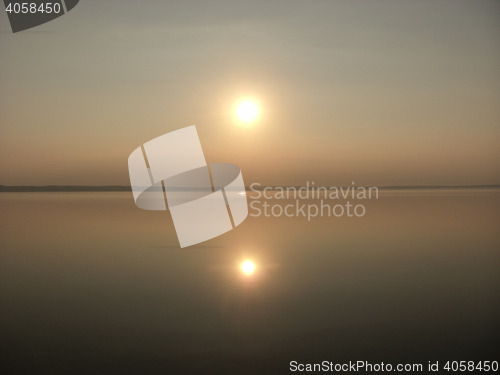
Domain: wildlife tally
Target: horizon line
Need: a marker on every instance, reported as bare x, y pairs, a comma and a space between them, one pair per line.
120, 188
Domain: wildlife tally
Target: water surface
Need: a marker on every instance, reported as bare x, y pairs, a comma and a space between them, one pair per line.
89, 283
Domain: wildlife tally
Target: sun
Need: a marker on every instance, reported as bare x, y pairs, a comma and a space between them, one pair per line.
248, 267
247, 111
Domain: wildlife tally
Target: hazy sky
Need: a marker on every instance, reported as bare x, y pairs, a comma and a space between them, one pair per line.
376, 92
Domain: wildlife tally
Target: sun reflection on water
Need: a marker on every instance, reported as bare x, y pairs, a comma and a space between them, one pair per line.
248, 267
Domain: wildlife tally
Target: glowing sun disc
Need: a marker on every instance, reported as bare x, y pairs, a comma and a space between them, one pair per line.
247, 111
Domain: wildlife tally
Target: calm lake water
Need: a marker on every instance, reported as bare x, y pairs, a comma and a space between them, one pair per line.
91, 284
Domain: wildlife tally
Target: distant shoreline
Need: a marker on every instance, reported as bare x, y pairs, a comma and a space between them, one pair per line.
118, 188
